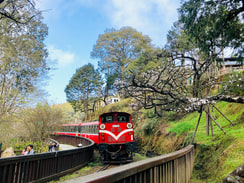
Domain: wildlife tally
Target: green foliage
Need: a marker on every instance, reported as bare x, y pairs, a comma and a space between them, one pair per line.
207, 159
213, 23
40, 121
38, 146
148, 60
151, 125
234, 83
84, 85
23, 53
187, 139
181, 128
171, 116
116, 49
122, 106
139, 157
149, 113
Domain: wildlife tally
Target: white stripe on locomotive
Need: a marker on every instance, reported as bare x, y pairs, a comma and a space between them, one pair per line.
114, 136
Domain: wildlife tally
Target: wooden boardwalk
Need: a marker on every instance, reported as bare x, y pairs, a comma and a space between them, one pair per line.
66, 147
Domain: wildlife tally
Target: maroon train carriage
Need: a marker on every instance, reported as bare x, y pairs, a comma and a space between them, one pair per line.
113, 133
88, 130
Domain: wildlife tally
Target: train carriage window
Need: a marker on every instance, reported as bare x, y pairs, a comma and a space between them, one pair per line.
93, 129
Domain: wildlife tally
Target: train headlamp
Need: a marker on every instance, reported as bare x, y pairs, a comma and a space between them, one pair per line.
129, 125
102, 126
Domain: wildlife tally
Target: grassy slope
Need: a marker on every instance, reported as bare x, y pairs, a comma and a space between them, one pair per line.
216, 158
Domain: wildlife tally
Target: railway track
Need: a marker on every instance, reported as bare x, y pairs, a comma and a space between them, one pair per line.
108, 166
103, 168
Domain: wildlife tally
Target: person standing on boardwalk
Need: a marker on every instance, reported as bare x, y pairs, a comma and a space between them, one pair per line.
52, 145
29, 150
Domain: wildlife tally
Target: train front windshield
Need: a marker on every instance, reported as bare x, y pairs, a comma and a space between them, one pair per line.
121, 118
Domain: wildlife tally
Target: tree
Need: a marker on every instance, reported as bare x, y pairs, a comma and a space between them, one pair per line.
41, 120
165, 87
15, 10
183, 51
116, 49
84, 85
22, 56
162, 86
214, 24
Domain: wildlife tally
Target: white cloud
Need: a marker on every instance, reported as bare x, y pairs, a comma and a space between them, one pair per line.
151, 17
63, 58
54, 9
131, 13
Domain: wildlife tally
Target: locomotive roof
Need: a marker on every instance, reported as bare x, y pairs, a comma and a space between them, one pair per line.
82, 124
114, 112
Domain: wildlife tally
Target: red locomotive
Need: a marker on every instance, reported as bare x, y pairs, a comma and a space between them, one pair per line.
113, 133
116, 137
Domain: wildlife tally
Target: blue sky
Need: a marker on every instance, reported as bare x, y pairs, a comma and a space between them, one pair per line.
74, 27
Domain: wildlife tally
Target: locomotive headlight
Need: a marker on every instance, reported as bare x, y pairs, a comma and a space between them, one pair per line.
129, 125
102, 126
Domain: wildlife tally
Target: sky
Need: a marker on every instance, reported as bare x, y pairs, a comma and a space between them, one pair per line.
74, 27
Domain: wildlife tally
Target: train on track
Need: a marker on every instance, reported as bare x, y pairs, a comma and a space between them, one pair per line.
113, 133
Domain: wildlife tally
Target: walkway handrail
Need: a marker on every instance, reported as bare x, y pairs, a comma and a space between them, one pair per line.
46, 166
174, 167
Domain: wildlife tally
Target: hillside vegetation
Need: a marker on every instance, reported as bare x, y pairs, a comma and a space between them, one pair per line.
214, 159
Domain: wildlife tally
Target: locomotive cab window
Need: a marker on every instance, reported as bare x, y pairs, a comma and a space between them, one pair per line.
107, 119
123, 118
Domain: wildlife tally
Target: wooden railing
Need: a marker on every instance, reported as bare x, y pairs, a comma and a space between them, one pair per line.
46, 166
175, 167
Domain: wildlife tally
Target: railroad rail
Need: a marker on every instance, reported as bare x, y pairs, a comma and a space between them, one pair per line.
174, 167
103, 168
47, 166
